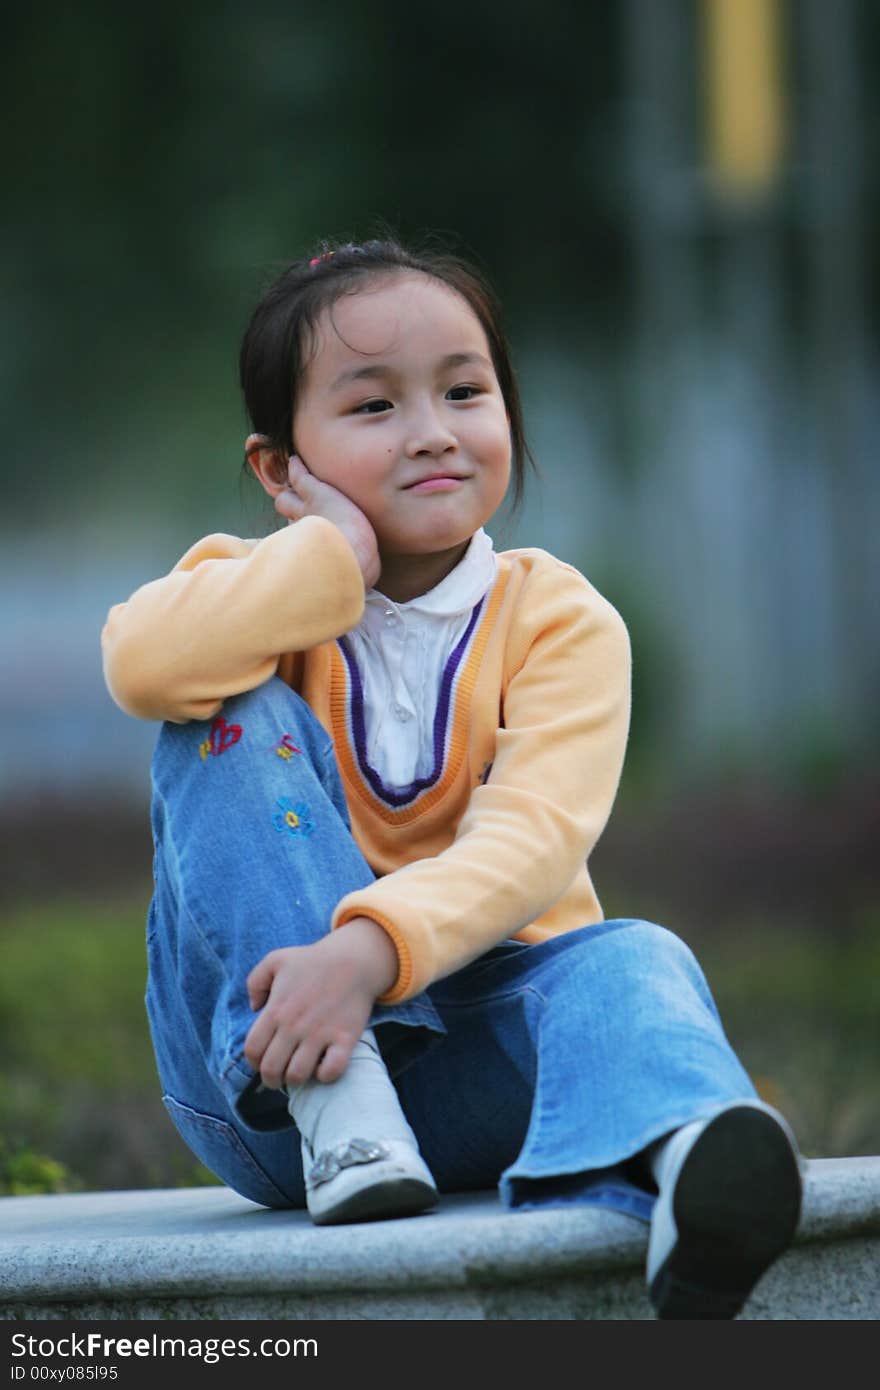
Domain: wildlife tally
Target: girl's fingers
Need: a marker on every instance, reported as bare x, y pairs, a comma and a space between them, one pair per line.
334, 1062
302, 1063
296, 470
257, 1041
276, 1060
304, 484
259, 981
288, 504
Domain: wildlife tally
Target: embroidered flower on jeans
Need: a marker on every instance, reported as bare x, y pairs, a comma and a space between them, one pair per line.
221, 737
293, 816
285, 747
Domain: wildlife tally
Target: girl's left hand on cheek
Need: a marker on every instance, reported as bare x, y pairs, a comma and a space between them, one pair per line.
306, 495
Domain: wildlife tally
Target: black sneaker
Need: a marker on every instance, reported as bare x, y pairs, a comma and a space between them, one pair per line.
730, 1212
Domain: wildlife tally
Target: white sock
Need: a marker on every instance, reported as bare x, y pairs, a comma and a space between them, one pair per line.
361, 1104
668, 1154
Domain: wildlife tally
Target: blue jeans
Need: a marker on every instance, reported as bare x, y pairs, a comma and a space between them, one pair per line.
545, 1069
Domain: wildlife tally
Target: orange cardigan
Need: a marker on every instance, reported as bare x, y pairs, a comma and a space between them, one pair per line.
535, 713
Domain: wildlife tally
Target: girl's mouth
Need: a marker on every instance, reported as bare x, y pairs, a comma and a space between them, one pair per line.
444, 483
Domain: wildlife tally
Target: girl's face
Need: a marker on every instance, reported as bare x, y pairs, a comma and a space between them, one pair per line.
400, 409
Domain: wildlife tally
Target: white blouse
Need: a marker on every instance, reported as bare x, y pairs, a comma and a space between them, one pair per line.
401, 650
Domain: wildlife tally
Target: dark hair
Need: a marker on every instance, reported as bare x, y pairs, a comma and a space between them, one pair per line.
273, 351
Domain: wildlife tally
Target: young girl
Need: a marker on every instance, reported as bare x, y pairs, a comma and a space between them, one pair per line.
387, 753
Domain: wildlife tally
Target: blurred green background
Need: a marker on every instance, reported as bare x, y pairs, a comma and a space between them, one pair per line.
678, 203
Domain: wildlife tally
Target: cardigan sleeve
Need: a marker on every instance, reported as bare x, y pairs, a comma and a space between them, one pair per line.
219, 622
526, 832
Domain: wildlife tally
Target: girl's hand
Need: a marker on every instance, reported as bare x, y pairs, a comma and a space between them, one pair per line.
315, 1002
306, 495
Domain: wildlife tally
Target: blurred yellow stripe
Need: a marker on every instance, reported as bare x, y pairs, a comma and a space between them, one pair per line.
744, 92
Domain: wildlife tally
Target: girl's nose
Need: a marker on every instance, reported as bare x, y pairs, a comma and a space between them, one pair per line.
428, 434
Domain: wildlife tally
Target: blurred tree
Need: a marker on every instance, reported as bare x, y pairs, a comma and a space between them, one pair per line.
162, 159
701, 370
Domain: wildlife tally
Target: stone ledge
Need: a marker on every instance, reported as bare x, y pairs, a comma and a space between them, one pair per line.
206, 1253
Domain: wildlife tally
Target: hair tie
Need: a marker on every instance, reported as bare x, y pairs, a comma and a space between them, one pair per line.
351, 247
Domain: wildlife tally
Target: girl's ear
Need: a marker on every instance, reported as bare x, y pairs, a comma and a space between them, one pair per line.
269, 464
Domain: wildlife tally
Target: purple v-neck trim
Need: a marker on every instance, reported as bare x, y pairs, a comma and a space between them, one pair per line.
401, 796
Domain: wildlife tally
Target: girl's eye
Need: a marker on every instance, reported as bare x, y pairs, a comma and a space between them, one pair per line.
462, 393
372, 407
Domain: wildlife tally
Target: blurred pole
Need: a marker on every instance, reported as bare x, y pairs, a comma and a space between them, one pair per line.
661, 163
759, 553
663, 215
839, 345
750, 497
742, 44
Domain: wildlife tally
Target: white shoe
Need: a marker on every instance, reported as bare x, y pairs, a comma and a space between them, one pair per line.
731, 1208
366, 1180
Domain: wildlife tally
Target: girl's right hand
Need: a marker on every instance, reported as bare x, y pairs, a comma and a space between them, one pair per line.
306, 495
315, 1001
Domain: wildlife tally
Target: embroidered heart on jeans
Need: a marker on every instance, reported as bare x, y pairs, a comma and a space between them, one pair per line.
223, 735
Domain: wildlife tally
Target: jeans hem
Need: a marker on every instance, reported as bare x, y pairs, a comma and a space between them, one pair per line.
615, 1196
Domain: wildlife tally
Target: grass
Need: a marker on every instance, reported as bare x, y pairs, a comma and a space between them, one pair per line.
71, 994
79, 1099
801, 1010
79, 1086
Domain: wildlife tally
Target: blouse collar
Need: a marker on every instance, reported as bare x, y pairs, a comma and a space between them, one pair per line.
458, 593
